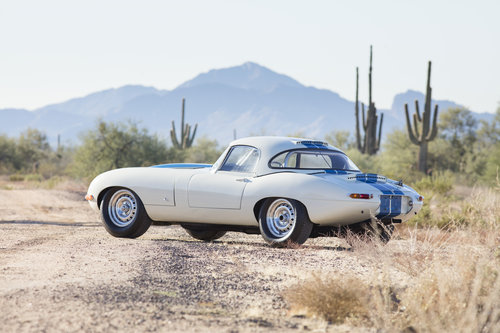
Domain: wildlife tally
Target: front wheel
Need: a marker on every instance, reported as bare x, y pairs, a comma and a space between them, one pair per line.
123, 213
283, 222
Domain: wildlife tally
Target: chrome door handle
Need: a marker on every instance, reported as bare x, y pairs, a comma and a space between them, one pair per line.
244, 180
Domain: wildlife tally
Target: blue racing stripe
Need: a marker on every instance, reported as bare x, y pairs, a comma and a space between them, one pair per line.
367, 177
385, 188
182, 166
312, 145
390, 206
336, 172
389, 189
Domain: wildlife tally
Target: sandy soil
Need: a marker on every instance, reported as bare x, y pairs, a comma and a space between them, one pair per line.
61, 271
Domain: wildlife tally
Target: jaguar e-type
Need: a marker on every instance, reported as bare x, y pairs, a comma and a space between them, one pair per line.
286, 189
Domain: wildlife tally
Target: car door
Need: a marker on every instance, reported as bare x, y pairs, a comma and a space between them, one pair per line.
223, 188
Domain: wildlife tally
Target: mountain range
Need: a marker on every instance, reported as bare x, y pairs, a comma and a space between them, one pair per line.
248, 99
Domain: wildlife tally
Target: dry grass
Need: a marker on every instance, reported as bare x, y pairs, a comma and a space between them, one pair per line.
22, 182
332, 299
430, 280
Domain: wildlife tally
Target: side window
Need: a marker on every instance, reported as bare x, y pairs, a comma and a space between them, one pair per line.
241, 159
285, 160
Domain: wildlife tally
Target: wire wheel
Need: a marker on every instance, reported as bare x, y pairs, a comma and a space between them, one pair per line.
122, 208
280, 218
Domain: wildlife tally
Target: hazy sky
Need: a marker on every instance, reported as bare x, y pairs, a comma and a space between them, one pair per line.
53, 50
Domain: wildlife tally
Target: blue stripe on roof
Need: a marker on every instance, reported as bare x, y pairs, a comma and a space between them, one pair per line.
312, 145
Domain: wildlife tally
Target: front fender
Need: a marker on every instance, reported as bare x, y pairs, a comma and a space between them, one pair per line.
154, 186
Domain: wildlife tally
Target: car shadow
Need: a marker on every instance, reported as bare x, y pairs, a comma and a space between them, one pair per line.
256, 244
61, 224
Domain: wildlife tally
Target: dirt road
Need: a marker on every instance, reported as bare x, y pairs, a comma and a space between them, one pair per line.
61, 271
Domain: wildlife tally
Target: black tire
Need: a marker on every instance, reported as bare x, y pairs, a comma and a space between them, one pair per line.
123, 213
372, 231
204, 235
284, 222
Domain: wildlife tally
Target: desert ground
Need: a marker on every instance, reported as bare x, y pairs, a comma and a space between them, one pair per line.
61, 271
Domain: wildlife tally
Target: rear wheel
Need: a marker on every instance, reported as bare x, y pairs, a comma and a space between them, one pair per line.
284, 222
204, 235
123, 213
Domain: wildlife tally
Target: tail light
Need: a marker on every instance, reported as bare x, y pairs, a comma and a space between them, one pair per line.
361, 196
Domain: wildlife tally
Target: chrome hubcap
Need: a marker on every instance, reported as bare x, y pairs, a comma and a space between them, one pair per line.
122, 208
280, 218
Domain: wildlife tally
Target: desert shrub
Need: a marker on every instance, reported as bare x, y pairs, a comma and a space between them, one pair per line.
440, 183
459, 295
25, 153
480, 208
453, 285
16, 178
397, 159
203, 151
33, 177
110, 146
7, 154
341, 139
492, 167
366, 163
334, 300
32, 148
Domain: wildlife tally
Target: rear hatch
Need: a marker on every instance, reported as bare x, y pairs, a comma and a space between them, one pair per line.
393, 201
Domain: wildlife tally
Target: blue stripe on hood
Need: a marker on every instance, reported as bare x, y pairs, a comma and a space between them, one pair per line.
182, 166
336, 172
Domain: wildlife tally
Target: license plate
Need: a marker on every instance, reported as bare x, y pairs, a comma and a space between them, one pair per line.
390, 205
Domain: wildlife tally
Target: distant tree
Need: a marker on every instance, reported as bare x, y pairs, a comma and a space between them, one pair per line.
457, 126
397, 159
7, 154
489, 132
32, 149
489, 146
340, 139
110, 146
492, 167
204, 151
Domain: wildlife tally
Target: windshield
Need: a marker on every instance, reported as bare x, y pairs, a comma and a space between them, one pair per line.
313, 159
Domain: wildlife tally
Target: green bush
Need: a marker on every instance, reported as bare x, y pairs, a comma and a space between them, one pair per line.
16, 178
33, 178
440, 183
110, 146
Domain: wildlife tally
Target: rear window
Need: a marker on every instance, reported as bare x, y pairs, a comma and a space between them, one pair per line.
313, 159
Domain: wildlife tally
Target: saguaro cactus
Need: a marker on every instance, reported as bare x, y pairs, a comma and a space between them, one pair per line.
370, 144
186, 139
422, 132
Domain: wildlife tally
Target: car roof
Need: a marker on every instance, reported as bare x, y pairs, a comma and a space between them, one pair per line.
270, 146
